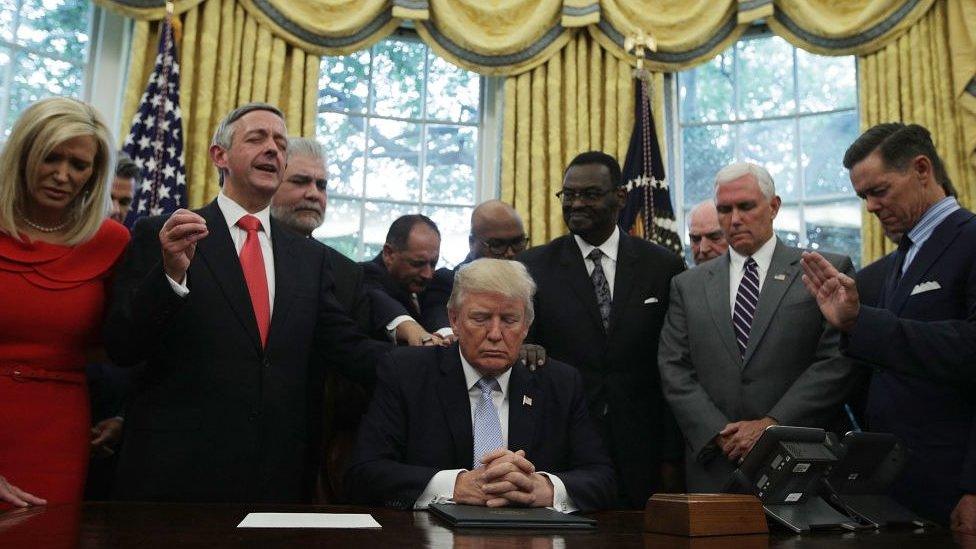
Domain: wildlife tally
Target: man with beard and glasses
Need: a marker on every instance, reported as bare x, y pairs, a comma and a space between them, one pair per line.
600, 307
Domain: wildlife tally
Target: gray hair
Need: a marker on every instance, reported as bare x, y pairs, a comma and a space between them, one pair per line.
500, 276
305, 146
224, 134
739, 169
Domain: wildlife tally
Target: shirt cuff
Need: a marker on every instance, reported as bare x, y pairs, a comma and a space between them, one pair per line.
560, 497
392, 326
440, 489
445, 331
181, 289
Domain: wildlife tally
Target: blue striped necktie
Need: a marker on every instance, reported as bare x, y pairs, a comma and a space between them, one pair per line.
487, 427
746, 300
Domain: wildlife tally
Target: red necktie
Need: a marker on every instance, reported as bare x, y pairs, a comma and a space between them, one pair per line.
252, 262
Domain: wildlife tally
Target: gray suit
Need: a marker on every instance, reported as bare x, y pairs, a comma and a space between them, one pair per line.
793, 370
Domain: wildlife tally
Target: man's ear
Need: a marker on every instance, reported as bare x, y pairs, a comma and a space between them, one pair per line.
387, 255
922, 166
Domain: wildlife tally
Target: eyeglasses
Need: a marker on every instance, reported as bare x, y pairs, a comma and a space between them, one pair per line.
590, 194
498, 246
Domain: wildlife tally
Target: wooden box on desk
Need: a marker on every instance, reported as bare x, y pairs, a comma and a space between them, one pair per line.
704, 515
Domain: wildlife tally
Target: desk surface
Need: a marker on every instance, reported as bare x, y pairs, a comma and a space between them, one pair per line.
148, 526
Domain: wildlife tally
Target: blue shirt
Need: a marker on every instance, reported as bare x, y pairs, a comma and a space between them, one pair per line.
932, 218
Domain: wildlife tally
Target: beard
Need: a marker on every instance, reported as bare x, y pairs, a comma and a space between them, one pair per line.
303, 217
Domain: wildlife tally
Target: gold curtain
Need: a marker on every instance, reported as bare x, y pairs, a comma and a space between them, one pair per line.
227, 58
581, 99
908, 81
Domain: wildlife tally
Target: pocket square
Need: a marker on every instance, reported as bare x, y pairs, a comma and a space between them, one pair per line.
926, 287
650, 300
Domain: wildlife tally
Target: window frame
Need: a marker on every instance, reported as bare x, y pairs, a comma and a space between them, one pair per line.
675, 126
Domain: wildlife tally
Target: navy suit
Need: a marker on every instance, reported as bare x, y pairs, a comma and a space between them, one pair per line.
925, 346
216, 416
619, 367
433, 300
419, 423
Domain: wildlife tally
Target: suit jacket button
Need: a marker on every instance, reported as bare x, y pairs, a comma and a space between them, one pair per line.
267, 362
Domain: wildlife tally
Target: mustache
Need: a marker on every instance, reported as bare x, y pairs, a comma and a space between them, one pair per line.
308, 205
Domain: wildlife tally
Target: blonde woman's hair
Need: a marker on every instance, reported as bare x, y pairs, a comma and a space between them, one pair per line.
42, 127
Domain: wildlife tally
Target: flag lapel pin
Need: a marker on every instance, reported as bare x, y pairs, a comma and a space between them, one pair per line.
526, 400
780, 276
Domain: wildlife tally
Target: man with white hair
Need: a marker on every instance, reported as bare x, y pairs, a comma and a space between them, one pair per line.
466, 423
707, 239
744, 345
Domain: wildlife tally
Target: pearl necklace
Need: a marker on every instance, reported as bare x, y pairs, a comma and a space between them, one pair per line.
42, 228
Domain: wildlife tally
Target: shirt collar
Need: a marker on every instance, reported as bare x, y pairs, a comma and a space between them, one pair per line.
609, 246
233, 212
471, 376
763, 256
932, 218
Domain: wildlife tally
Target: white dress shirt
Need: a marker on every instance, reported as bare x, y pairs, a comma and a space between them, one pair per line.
737, 267
609, 248
232, 213
440, 489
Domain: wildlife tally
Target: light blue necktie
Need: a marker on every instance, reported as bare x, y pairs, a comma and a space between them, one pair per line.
487, 427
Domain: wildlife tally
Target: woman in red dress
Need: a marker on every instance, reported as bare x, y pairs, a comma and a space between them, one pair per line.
57, 250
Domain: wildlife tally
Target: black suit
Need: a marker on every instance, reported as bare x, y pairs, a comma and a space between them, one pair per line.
433, 300
924, 341
218, 418
619, 368
419, 423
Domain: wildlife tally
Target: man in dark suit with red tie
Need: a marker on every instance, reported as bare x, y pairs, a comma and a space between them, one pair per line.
912, 318
600, 306
233, 315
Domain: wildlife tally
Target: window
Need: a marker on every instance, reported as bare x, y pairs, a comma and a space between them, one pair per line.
793, 112
43, 52
401, 127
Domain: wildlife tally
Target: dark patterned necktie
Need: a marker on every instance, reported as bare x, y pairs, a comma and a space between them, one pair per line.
894, 277
601, 286
746, 300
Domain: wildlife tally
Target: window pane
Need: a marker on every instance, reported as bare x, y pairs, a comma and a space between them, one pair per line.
835, 227
8, 14
38, 77
787, 225
453, 93
344, 140
449, 173
706, 91
398, 73
706, 149
765, 77
379, 216
826, 83
824, 140
394, 160
56, 26
454, 225
344, 83
770, 144
341, 227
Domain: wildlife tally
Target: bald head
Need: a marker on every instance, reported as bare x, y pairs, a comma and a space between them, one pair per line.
707, 239
496, 231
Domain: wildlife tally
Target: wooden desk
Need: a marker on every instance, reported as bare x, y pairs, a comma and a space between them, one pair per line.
148, 526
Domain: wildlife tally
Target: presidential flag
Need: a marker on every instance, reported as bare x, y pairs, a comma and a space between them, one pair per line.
155, 141
648, 212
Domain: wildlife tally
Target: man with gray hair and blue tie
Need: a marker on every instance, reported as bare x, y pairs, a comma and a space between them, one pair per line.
467, 424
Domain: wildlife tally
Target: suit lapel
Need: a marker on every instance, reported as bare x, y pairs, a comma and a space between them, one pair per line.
717, 297
782, 270
623, 280
573, 272
452, 393
286, 264
941, 237
220, 257
522, 389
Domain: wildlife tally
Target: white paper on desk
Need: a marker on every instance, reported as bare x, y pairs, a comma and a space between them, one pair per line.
308, 520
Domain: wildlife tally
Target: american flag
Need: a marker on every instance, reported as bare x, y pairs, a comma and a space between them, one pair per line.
155, 141
648, 212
